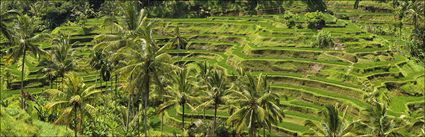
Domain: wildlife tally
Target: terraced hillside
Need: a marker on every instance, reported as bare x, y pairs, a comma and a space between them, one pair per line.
310, 77
366, 59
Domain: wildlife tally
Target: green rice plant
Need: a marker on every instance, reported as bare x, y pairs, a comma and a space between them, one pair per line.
323, 40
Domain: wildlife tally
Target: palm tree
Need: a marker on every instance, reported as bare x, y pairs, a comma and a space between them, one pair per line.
143, 61
135, 22
178, 41
415, 8
96, 62
271, 106
356, 4
331, 126
60, 58
102, 65
252, 112
377, 123
75, 98
179, 94
25, 38
218, 92
6, 17
401, 13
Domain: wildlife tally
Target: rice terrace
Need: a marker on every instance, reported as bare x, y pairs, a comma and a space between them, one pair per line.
212, 68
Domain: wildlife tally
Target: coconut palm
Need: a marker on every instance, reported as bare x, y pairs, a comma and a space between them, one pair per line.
144, 62
60, 58
400, 12
133, 25
356, 4
127, 38
331, 126
75, 99
218, 92
416, 11
102, 65
96, 62
178, 41
271, 106
6, 17
252, 112
180, 93
377, 123
25, 39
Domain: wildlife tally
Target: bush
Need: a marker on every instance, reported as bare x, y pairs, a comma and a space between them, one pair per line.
315, 5
289, 19
17, 122
323, 40
300, 26
315, 20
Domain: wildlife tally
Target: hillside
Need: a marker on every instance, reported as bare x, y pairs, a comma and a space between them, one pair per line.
365, 59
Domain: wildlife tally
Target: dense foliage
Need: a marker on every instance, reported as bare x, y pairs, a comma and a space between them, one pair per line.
212, 68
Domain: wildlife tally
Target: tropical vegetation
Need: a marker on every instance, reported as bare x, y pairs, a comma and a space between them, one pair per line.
212, 68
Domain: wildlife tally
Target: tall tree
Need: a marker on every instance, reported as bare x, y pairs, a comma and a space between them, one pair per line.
25, 40
251, 114
401, 13
356, 4
378, 123
75, 99
332, 125
178, 42
60, 58
6, 17
316, 5
218, 92
135, 48
180, 93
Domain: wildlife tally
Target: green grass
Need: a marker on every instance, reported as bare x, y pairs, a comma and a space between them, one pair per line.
283, 47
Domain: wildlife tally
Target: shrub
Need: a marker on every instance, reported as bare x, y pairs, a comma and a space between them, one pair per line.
315, 5
315, 20
323, 40
300, 26
289, 19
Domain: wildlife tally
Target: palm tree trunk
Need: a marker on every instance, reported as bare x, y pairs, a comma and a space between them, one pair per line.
251, 131
51, 82
162, 123
138, 120
97, 77
146, 96
1, 76
270, 130
75, 122
415, 20
62, 82
356, 4
182, 117
215, 117
128, 114
162, 119
22, 78
101, 79
81, 121
116, 84
401, 26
